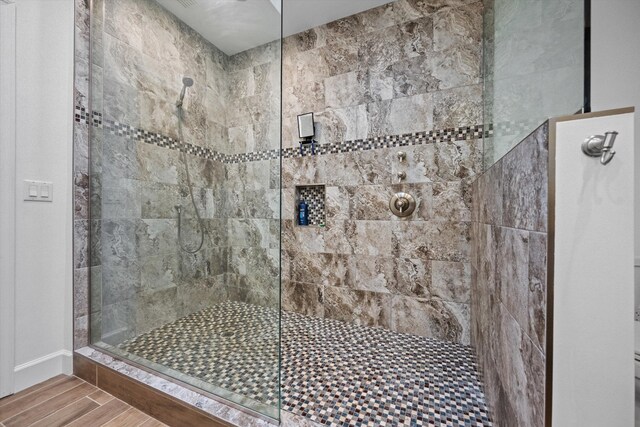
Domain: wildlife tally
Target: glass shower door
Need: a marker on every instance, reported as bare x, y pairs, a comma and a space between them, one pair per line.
185, 144
534, 68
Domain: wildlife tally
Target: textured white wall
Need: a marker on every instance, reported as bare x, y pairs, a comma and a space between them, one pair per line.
7, 189
44, 141
593, 370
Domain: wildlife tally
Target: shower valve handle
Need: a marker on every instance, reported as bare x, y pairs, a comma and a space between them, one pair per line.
402, 204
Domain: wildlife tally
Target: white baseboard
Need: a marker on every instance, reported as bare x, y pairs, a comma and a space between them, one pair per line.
41, 369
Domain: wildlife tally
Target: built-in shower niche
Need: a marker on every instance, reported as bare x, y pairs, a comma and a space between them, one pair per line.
314, 196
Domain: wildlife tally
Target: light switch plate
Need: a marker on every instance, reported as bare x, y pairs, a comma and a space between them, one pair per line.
38, 191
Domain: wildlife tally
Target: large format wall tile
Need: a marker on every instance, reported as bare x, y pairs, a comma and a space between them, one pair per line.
155, 308
508, 285
357, 306
525, 178
451, 281
433, 318
140, 54
303, 298
537, 298
408, 66
400, 115
403, 67
416, 51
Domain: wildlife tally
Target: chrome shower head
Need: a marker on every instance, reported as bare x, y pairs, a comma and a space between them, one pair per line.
186, 82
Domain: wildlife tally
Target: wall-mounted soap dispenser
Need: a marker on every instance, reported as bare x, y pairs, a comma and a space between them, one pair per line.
306, 132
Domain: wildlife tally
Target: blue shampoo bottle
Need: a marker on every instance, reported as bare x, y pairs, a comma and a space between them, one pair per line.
303, 213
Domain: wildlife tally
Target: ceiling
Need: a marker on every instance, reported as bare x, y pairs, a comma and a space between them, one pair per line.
237, 25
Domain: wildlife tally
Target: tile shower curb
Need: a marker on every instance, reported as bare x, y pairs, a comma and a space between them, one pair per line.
201, 405
88, 358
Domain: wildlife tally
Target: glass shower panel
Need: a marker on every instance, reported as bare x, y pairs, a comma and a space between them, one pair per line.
533, 67
185, 162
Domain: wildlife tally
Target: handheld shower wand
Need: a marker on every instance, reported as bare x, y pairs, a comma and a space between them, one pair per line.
186, 82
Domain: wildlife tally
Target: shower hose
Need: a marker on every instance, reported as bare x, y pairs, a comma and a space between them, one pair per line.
183, 155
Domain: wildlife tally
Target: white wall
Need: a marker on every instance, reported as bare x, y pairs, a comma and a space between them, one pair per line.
7, 196
593, 370
615, 68
44, 135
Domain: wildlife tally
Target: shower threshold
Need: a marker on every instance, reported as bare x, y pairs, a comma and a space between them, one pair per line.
333, 373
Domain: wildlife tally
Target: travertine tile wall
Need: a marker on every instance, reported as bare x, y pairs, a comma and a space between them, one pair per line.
252, 189
509, 281
404, 67
142, 279
408, 66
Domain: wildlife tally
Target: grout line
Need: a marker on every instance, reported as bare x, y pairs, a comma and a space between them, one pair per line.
133, 410
44, 401
110, 419
145, 420
98, 389
60, 409
523, 331
57, 410
99, 404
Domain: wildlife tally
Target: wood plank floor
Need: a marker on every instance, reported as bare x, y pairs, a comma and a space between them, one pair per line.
68, 401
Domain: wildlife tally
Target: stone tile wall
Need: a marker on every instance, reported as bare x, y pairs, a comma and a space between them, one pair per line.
142, 279
252, 188
81, 216
509, 278
408, 66
134, 187
405, 67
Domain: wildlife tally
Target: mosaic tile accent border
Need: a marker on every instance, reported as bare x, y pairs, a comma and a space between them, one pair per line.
390, 141
96, 120
333, 373
141, 135
512, 127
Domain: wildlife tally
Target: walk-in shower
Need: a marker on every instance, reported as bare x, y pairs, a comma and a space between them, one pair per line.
186, 240
201, 270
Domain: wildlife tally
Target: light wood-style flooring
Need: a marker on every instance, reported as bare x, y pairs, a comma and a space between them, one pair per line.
69, 401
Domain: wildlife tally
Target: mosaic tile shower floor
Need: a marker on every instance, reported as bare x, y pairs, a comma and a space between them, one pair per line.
333, 373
